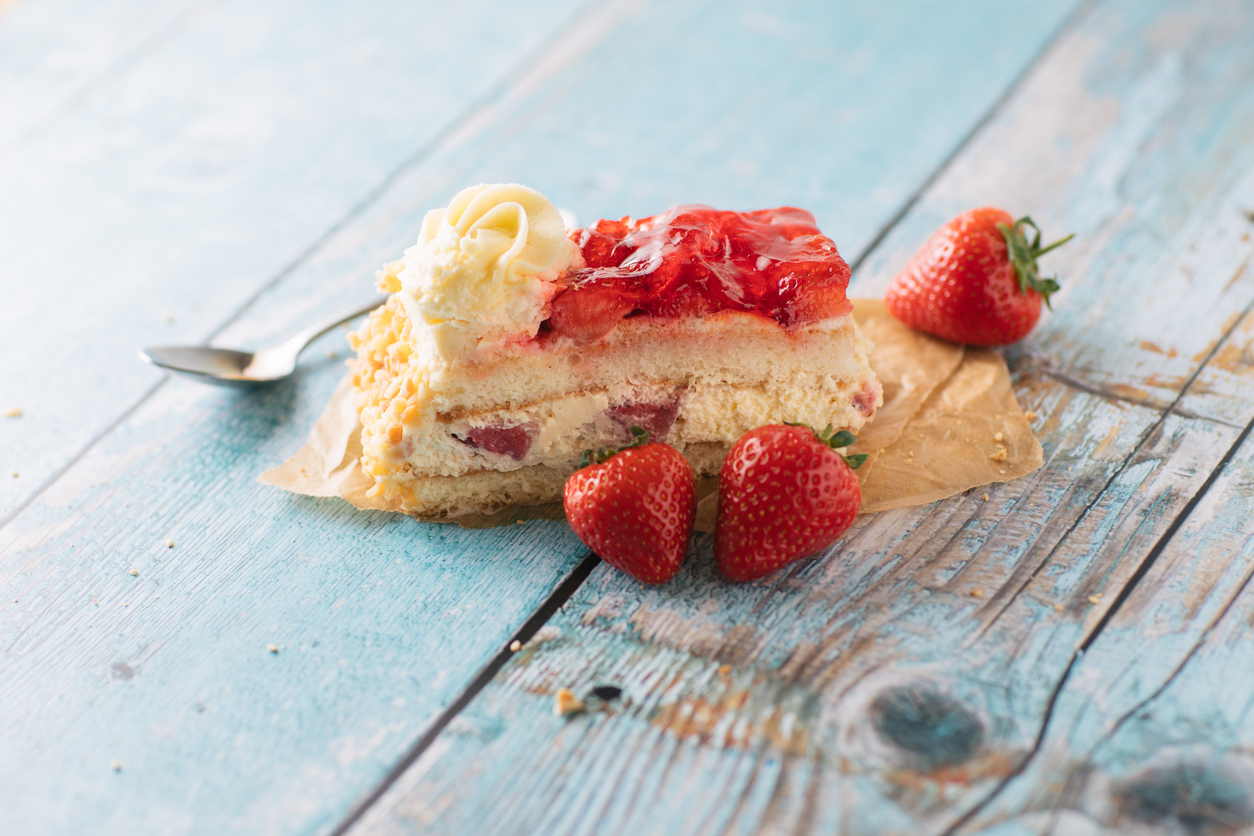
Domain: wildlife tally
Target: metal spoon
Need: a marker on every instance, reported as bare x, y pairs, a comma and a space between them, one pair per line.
227, 367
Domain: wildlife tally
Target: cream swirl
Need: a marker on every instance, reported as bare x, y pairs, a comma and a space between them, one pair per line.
483, 270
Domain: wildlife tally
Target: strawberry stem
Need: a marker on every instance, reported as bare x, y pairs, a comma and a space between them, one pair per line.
1024, 253
639, 438
836, 441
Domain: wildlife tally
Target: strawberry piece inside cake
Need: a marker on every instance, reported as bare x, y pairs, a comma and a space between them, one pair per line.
509, 345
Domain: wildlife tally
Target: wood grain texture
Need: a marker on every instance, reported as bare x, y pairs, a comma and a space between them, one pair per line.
211, 730
1139, 128
157, 209
1152, 730
378, 623
841, 108
119, 645
895, 685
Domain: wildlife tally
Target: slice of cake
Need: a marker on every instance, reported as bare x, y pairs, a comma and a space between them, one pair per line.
510, 345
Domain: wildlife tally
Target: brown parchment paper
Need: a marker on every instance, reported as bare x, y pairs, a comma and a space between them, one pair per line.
949, 423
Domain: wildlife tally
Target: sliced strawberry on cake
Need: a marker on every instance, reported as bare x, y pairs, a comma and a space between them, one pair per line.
510, 345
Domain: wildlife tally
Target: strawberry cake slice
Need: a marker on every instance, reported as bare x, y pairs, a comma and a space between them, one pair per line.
510, 345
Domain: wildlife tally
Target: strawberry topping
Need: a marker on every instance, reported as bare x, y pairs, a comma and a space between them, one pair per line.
693, 261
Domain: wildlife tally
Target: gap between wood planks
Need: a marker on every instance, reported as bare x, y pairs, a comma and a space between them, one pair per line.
1134, 579
581, 572
557, 598
533, 69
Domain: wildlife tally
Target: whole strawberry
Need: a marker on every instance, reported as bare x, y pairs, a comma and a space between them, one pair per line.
784, 493
975, 281
634, 507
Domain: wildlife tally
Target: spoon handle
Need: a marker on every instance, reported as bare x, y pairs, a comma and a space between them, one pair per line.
297, 342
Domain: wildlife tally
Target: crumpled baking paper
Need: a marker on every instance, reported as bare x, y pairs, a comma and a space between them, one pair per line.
949, 423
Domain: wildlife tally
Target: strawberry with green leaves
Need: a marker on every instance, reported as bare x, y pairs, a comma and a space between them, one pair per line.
634, 507
975, 281
784, 493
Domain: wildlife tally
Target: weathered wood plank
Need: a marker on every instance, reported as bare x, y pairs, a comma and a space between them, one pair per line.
894, 685
770, 689
305, 733
154, 212
744, 106
1142, 151
1152, 728
118, 645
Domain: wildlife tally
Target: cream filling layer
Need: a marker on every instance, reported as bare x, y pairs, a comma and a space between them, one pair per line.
561, 429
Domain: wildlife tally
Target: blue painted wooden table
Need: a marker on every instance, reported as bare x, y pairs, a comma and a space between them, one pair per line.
187, 651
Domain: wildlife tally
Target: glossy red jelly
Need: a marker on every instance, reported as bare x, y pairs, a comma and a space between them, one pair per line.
693, 261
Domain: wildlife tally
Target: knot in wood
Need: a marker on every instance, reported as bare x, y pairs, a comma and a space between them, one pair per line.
1201, 797
933, 728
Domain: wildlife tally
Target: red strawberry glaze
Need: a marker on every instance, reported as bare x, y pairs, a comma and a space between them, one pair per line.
693, 261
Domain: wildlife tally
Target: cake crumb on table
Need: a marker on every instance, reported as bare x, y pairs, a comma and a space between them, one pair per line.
169, 544
1095, 599
976, 593
273, 648
115, 765
984, 497
515, 646
13, 412
1057, 607
1030, 416
135, 573
565, 703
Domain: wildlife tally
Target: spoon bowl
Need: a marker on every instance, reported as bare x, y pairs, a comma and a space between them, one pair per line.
243, 369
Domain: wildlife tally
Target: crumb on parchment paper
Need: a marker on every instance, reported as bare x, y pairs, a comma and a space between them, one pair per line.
13, 412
